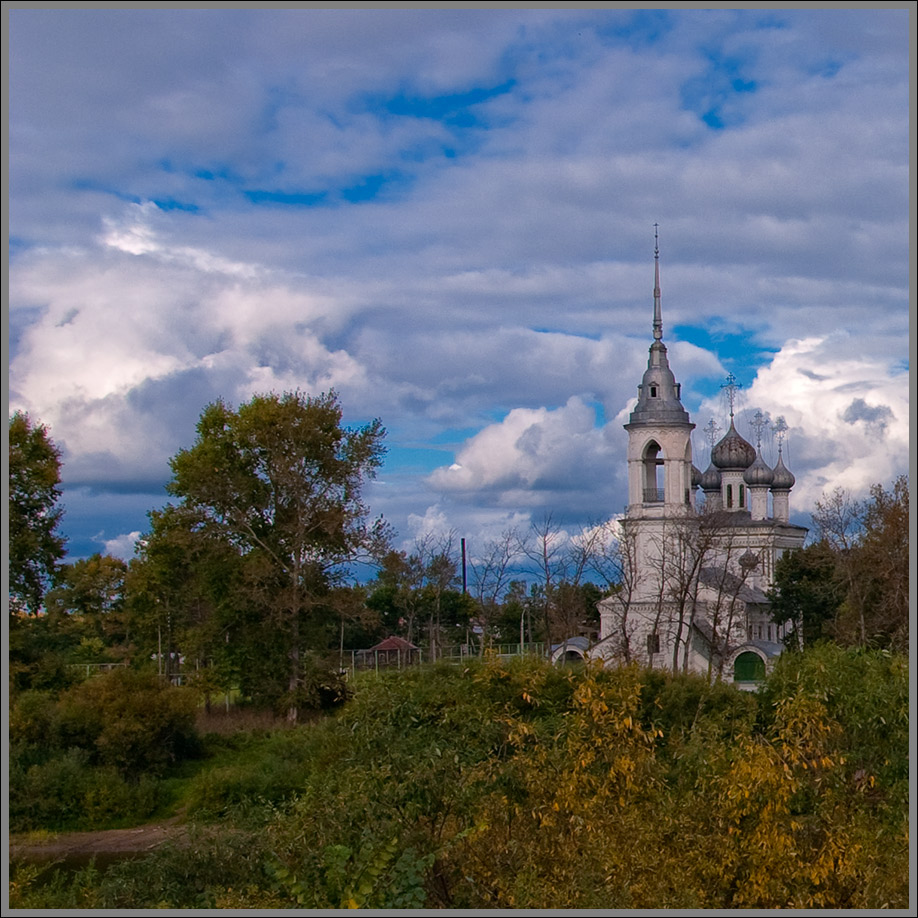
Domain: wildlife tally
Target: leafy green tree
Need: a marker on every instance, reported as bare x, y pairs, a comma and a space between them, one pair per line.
35, 546
87, 604
808, 592
280, 479
183, 589
415, 589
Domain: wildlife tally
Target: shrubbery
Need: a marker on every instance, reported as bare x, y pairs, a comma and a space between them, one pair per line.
520, 785
90, 756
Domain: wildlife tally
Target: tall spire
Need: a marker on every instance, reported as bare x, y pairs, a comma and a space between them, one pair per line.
658, 394
657, 311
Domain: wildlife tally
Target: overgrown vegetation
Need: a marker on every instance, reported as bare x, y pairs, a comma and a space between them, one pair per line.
521, 785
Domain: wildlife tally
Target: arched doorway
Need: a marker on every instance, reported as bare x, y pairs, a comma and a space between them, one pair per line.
748, 667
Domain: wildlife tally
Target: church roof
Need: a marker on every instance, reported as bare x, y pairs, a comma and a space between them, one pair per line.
759, 473
783, 479
733, 452
394, 642
659, 401
710, 480
727, 582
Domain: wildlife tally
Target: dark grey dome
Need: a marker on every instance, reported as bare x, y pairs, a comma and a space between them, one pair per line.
748, 560
710, 480
758, 473
696, 476
733, 452
783, 479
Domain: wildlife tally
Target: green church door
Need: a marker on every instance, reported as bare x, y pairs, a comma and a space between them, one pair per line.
748, 667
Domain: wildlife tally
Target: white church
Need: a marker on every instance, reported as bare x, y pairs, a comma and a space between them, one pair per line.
697, 565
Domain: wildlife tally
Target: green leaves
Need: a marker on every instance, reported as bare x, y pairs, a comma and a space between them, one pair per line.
35, 547
280, 481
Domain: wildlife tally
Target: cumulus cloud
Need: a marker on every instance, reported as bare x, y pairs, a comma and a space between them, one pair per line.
848, 416
122, 546
446, 215
532, 458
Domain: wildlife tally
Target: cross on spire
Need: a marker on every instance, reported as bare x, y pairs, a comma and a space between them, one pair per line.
730, 388
657, 310
780, 429
712, 432
758, 423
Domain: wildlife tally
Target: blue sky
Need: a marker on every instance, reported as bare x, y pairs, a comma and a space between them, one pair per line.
447, 216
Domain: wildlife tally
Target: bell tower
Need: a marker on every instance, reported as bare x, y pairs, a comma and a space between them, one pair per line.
660, 472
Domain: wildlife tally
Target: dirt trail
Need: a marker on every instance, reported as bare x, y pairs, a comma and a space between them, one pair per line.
138, 840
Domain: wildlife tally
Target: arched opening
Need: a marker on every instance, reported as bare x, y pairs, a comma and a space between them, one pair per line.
748, 667
653, 473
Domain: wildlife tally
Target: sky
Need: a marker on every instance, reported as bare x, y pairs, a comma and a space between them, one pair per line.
448, 216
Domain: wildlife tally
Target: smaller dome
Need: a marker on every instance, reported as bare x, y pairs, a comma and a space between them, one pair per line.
748, 560
696, 476
783, 478
733, 452
710, 480
758, 474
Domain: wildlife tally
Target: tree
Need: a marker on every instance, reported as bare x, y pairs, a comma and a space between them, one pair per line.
88, 603
182, 590
882, 560
613, 560
490, 580
852, 584
281, 480
35, 546
410, 587
807, 592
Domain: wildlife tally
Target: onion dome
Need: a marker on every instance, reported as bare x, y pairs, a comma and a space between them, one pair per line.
696, 476
748, 560
733, 452
783, 478
710, 480
758, 473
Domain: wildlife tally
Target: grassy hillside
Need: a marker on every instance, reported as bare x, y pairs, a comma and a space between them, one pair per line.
518, 785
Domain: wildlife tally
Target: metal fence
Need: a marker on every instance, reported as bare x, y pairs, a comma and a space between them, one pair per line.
355, 660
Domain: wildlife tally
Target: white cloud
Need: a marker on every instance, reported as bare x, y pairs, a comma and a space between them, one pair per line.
498, 292
532, 457
122, 546
848, 416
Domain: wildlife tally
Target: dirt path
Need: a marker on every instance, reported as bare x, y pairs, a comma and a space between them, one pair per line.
138, 840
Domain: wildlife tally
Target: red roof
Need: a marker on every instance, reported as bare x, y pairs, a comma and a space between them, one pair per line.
393, 642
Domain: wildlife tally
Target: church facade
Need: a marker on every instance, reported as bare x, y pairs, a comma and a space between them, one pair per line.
699, 548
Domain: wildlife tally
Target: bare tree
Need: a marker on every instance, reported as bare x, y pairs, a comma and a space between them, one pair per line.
545, 548
440, 573
611, 556
491, 575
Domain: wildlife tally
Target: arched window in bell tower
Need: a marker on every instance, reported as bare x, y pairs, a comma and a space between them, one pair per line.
653, 473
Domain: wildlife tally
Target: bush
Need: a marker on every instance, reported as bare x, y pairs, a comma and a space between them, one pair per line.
65, 792
132, 721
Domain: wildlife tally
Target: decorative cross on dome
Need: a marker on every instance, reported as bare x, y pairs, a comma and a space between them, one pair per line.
712, 432
780, 429
730, 388
758, 423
